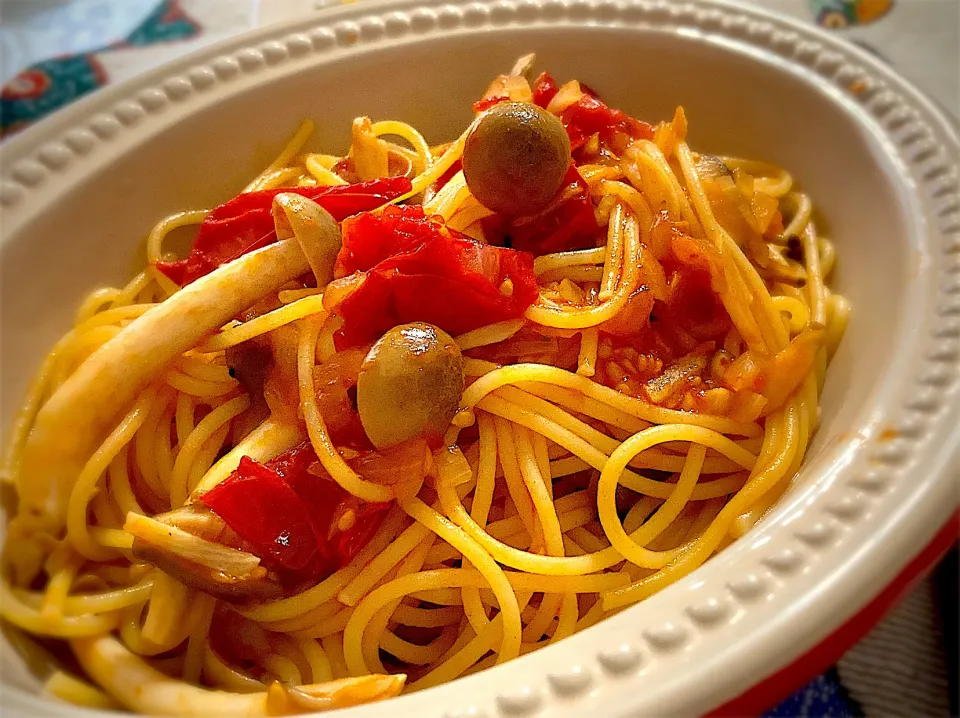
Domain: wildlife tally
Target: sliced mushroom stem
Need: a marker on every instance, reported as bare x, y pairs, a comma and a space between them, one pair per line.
184, 544
314, 228
84, 408
144, 689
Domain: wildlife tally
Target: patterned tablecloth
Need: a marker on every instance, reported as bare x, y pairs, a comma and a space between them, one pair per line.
55, 51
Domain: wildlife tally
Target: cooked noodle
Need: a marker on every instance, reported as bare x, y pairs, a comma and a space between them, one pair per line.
582, 473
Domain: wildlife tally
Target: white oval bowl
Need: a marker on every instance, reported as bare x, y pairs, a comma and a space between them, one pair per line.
79, 192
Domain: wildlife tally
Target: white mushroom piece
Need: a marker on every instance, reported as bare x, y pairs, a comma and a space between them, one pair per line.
140, 687
87, 406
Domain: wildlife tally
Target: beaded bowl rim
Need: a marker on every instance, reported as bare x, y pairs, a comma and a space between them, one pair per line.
689, 627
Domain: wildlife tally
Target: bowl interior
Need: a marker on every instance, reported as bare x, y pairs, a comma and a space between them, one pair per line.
735, 105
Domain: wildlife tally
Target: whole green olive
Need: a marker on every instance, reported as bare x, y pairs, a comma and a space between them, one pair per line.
410, 384
515, 158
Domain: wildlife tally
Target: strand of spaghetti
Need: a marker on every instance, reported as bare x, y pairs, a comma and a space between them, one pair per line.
579, 274
632, 546
95, 302
277, 178
222, 415
86, 483
634, 200
324, 591
612, 263
548, 522
773, 332
515, 484
543, 505
469, 213
740, 457
205, 367
703, 547
595, 457
587, 360
410, 134
165, 226
162, 453
512, 532
808, 409
304, 621
67, 563
316, 657
394, 590
323, 175
335, 624
168, 620
482, 562
267, 441
797, 311
649, 177
80, 693
426, 617
467, 655
23, 420
92, 603
112, 377
373, 572
815, 285
184, 417
516, 373
561, 260
206, 455
330, 458
418, 655
803, 211
480, 508
378, 624
283, 668
230, 336
664, 174
202, 609
333, 646
288, 152
490, 334
525, 560
132, 290
198, 388
768, 178
23, 616
552, 315
828, 257
219, 673
437, 168
587, 406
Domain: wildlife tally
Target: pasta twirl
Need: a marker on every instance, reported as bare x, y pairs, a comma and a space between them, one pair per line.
410, 412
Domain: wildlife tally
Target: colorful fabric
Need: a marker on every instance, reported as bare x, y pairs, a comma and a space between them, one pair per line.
51, 84
47, 86
884, 671
845, 13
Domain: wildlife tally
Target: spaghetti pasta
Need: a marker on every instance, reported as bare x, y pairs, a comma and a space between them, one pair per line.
536, 390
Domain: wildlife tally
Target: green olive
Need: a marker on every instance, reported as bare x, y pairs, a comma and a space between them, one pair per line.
515, 158
410, 384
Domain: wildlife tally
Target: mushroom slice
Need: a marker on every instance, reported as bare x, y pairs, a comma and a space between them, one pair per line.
142, 688
314, 228
202, 563
81, 412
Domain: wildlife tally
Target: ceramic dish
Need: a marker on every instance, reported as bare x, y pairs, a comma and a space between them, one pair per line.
79, 192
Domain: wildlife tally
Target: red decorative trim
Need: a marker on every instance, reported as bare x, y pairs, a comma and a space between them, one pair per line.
98, 69
811, 664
